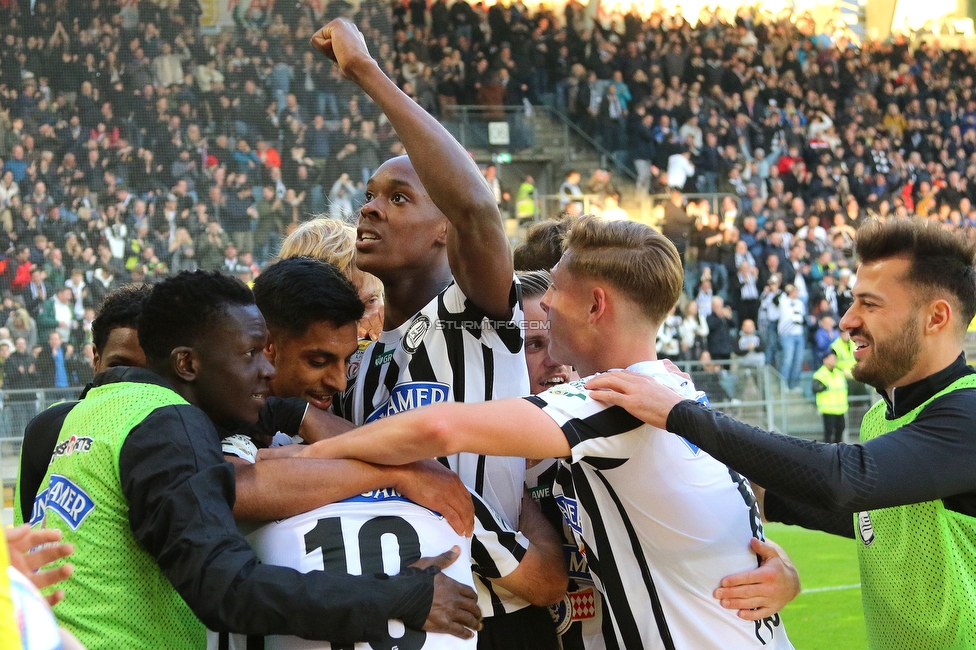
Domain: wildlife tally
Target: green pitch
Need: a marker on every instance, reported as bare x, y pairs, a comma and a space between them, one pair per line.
827, 615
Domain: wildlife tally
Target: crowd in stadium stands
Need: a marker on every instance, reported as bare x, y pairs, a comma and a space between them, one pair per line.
134, 145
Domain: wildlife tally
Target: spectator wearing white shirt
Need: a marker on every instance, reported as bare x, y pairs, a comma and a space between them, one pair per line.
680, 168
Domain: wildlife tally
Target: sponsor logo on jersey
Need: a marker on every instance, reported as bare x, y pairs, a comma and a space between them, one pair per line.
583, 603
540, 492
37, 512
576, 563
570, 510
572, 389
865, 528
72, 445
68, 500
383, 359
411, 395
415, 334
355, 361
386, 494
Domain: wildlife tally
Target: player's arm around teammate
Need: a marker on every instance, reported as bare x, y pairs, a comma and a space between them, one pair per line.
499, 428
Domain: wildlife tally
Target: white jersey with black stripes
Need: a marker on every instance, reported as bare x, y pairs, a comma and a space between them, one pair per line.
450, 352
659, 521
378, 532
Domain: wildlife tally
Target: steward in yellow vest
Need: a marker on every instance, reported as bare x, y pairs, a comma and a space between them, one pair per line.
830, 387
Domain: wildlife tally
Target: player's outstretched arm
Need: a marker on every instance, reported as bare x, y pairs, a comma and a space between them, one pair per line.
478, 249
765, 590
283, 487
33, 549
509, 427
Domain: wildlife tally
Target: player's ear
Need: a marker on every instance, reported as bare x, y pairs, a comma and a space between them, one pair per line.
598, 304
185, 363
441, 237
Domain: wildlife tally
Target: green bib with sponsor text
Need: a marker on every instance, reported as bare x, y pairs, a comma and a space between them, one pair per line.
117, 596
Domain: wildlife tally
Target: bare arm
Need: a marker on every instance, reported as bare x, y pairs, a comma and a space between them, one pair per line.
478, 249
541, 576
496, 428
276, 488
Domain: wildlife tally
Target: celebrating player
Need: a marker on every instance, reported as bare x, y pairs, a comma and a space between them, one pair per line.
660, 521
431, 232
152, 485
908, 490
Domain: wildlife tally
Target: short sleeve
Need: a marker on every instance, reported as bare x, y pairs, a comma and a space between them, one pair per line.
241, 446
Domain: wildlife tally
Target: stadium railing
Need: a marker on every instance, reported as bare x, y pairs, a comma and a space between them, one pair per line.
751, 392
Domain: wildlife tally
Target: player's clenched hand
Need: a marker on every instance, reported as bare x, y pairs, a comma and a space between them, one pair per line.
32, 549
643, 397
342, 42
433, 486
455, 607
763, 591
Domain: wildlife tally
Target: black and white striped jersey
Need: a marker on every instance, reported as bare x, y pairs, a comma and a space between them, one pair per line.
377, 532
579, 615
450, 352
659, 521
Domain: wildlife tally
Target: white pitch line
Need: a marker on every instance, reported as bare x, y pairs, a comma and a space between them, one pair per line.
817, 590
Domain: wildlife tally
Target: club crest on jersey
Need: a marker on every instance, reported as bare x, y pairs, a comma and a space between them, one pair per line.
865, 528
570, 510
411, 395
68, 500
72, 445
415, 334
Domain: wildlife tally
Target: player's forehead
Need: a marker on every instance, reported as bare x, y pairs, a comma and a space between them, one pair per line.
324, 337
396, 171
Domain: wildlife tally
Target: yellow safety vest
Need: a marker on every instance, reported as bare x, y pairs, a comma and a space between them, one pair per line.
832, 401
845, 354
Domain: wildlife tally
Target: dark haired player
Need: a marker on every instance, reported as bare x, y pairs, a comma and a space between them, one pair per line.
907, 492
431, 231
116, 343
152, 486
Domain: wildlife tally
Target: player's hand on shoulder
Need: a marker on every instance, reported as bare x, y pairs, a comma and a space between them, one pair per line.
765, 590
342, 42
430, 484
643, 397
455, 609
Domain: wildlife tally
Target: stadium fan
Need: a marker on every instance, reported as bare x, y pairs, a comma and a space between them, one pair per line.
907, 492
661, 522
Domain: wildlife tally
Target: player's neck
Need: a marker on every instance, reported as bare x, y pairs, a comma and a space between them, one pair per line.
622, 354
408, 293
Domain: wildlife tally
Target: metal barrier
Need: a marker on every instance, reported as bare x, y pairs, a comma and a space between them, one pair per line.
714, 198
750, 392
515, 130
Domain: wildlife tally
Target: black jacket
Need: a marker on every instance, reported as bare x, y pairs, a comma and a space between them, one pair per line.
181, 491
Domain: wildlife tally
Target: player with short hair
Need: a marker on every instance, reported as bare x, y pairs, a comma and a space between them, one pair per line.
150, 483
431, 231
661, 522
334, 241
116, 342
907, 491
